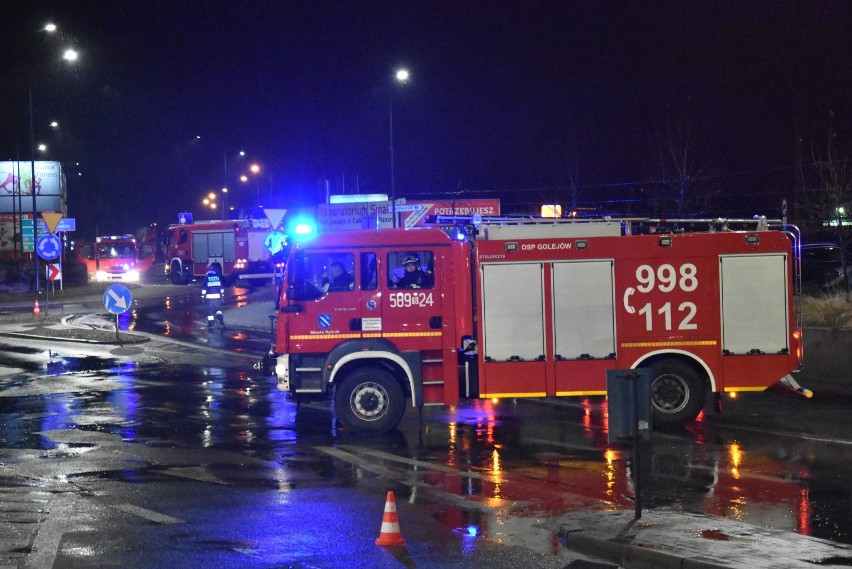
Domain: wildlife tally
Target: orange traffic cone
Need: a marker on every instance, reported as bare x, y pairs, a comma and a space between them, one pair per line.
390, 534
36, 309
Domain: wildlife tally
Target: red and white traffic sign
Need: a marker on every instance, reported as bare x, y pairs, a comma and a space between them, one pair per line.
54, 273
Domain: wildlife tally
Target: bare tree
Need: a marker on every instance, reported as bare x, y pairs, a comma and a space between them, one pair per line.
826, 184
683, 184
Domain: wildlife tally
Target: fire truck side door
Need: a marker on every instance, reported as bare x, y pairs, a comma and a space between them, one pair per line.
411, 304
370, 312
329, 302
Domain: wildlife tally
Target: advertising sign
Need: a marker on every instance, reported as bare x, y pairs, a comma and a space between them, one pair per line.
369, 215
11, 224
464, 207
17, 186
349, 216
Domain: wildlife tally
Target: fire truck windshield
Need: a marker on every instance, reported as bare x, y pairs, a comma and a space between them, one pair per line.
116, 251
314, 274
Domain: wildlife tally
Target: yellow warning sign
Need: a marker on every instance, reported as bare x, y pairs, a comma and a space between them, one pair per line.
51, 219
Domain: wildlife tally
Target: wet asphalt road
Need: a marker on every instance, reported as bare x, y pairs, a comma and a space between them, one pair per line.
176, 453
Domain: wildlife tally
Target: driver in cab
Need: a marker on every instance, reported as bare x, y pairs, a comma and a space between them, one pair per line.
338, 279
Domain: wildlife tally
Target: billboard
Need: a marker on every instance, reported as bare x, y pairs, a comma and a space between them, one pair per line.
17, 185
369, 215
461, 208
349, 216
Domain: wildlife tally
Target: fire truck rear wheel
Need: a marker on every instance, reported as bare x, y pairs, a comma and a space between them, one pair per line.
176, 274
677, 392
369, 400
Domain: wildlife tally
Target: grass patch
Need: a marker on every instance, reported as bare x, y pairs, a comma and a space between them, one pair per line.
832, 311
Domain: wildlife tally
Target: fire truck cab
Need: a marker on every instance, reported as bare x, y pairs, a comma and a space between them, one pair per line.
535, 310
115, 259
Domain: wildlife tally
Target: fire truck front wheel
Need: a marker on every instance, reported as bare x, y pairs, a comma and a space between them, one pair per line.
677, 392
369, 400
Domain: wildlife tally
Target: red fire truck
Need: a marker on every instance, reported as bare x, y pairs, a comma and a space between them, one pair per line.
235, 247
540, 309
113, 258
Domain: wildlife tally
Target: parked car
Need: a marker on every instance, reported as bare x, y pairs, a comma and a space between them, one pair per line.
822, 267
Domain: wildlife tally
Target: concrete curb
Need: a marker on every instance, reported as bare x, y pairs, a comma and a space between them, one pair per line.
633, 556
137, 339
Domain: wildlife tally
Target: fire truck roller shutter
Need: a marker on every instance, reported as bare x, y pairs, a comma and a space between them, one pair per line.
584, 309
513, 307
754, 304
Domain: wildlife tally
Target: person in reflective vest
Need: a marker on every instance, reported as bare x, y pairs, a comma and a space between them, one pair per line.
212, 294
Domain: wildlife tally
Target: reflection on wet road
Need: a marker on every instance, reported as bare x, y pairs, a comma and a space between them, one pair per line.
189, 407
507, 458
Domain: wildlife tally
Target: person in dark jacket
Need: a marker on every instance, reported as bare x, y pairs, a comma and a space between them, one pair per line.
212, 294
339, 280
414, 276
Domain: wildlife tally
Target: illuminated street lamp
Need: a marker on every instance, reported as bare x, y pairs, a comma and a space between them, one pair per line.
69, 55
402, 77
210, 201
255, 169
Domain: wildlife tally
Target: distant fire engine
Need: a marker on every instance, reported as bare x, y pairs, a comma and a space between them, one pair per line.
235, 248
114, 258
538, 309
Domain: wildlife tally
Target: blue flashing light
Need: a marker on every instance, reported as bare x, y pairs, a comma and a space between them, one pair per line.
302, 228
469, 531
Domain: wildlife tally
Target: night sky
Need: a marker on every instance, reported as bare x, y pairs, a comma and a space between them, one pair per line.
529, 102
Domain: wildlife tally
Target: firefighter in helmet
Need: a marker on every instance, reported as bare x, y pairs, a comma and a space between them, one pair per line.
413, 276
212, 294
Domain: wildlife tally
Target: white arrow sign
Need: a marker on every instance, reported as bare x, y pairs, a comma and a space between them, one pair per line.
120, 301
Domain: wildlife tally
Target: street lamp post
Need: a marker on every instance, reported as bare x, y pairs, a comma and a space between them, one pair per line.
71, 56
402, 76
49, 28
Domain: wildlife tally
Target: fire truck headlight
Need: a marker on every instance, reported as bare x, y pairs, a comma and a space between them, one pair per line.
132, 276
101, 276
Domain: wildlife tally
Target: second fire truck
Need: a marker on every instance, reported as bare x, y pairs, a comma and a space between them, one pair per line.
235, 248
537, 310
114, 258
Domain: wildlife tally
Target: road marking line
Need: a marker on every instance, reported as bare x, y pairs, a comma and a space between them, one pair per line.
151, 515
46, 543
412, 462
193, 473
406, 480
789, 434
